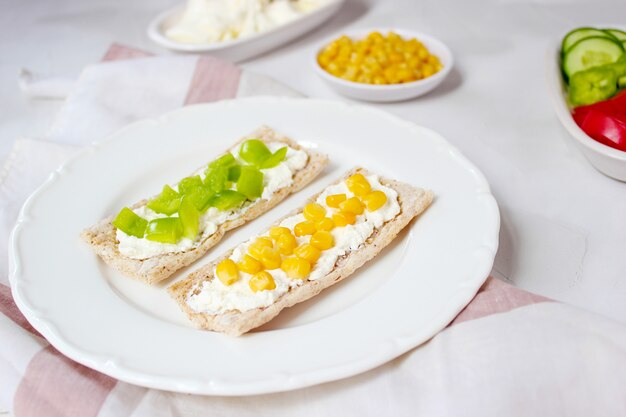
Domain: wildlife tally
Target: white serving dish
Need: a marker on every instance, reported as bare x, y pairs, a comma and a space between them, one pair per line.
138, 334
607, 160
246, 47
394, 92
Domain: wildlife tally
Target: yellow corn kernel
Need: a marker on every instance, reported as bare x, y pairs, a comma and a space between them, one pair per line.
262, 281
364, 79
428, 70
405, 75
249, 265
296, 268
432, 59
352, 205
344, 40
308, 252
277, 231
270, 258
375, 36
358, 177
304, 228
286, 243
414, 62
391, 74
326, 224
258, 246
375, 200
334, 200
227, 272
314, 211
323, 60
322, 240
358, 184
342, 218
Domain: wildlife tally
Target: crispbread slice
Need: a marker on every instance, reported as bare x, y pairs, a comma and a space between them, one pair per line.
412, 200
102, 236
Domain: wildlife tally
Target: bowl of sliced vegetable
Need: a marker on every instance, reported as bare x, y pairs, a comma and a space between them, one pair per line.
587, 77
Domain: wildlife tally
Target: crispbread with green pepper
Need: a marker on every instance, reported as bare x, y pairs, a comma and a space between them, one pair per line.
102, 236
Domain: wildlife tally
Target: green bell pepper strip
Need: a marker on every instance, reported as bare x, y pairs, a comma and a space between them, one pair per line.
216, 178
225, 160
250, 182
234, 172
592, 85
227, 200
275, 159
130, 223
254, 152
200, 197
189, 218
165, 203
164, 230
187, 184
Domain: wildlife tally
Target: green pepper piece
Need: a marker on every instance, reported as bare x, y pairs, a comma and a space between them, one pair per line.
227, 200
130, 223
200, 197
275, 159
234, 172
216, 178
189, 218
165, 203
225, 160
164, 230
254, 152
250, 182
592, 85
187, 184
621, 81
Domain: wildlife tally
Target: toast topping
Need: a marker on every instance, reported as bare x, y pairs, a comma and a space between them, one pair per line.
184, 214
309, 243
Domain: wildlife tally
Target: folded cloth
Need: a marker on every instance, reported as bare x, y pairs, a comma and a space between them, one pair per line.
508, 352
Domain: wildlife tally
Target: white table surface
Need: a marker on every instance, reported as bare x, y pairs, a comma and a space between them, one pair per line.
563, 224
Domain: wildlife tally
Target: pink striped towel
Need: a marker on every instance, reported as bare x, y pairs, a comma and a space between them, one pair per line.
508, 352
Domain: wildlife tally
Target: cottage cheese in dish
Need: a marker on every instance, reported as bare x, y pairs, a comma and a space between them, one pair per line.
213, 297
273, 179
210, 21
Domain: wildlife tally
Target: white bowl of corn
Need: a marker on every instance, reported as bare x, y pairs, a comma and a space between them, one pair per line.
383, 64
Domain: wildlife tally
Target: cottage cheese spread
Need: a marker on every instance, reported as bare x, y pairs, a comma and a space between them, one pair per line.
210, 21
273, 179
214, 297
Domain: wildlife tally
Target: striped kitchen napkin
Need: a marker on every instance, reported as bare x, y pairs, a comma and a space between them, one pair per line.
508, 352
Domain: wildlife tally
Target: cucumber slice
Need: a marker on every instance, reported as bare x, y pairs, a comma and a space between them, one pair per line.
619, 34
582, 33
591, 52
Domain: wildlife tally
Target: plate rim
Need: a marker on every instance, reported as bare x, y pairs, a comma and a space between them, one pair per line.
124, 372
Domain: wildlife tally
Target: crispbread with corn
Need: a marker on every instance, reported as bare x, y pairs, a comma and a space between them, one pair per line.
412, 202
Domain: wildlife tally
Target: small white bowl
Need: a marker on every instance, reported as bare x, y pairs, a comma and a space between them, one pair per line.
607, 160
390, 92
243, 48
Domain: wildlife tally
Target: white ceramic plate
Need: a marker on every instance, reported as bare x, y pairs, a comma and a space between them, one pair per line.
136, 333
609, 161
246, 47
